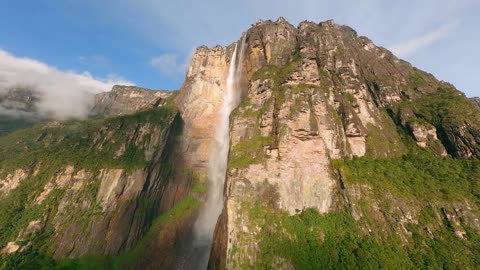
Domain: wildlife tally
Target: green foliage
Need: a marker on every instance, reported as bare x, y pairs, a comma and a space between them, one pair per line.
446, 105
420, 176
248, 152
416, 78
89, 145
78, 143
336, 241
10, 124
34, 259
199, 189
386, 141
28, 260
127, 259
310, 240
251, 150
16, 210
455, 117
279, 75
333, 241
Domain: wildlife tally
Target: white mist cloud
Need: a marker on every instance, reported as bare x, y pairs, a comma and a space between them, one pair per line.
169, 65
410, 46
62, 94
95, 60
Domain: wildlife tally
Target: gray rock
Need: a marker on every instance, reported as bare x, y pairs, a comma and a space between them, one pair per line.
123, 100
476, 100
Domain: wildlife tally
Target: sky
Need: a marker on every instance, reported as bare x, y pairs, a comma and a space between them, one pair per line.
149, 43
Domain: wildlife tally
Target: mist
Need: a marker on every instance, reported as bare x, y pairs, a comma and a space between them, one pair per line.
59, 94
198, 255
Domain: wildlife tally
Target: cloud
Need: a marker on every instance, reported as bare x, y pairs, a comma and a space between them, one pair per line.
61, 94
411, 46
169, 65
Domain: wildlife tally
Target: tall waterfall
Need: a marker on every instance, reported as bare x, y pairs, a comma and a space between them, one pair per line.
205, 225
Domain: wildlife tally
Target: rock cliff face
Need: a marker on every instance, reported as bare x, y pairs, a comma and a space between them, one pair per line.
123, 100
476, 100
19, 107
199, 101
96, 187
17, 110
319, 93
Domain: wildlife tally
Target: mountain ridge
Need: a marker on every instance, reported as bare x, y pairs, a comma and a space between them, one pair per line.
19, 106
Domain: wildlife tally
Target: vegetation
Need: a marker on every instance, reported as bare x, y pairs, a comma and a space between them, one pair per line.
248, 152
336, 240
72, 143
127, 259
79, 143
34, 259
47, 149
386, 141
456, 119
421, 176
446, 105
10, 124
17, 209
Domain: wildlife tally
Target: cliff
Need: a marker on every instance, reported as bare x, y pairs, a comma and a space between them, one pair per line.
108, 187
476, 100
123, 100
19, 107
17, 110
316, 96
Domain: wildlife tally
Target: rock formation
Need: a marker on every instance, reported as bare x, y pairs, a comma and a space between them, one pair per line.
17, 110
315, 94
476, 100
123, 100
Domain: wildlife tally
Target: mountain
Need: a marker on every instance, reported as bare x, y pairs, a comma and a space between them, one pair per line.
17, 109
340, 155
122, 100
19, 106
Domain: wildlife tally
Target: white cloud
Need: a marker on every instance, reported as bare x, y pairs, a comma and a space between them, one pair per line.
411, 46
62, 94
169, 65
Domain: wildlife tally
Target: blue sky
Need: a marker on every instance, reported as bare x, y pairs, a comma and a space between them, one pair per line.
149, 42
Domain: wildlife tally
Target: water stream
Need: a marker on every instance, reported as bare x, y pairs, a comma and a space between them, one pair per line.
204, 226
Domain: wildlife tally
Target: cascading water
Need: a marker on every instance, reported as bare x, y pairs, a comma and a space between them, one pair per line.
205, 225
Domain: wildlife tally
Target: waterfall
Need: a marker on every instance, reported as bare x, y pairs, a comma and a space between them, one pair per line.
205, 225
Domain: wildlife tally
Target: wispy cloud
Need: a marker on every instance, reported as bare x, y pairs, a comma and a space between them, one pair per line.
95, 60
169, 65
411, 46
62, 94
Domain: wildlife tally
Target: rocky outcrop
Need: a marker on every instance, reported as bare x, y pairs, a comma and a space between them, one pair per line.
123, 100
11, 181
314, 94
95, 187
199, 101
18, 109
476, 100
18, 99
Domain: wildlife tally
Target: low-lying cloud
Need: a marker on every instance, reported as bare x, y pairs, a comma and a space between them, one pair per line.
61, 94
